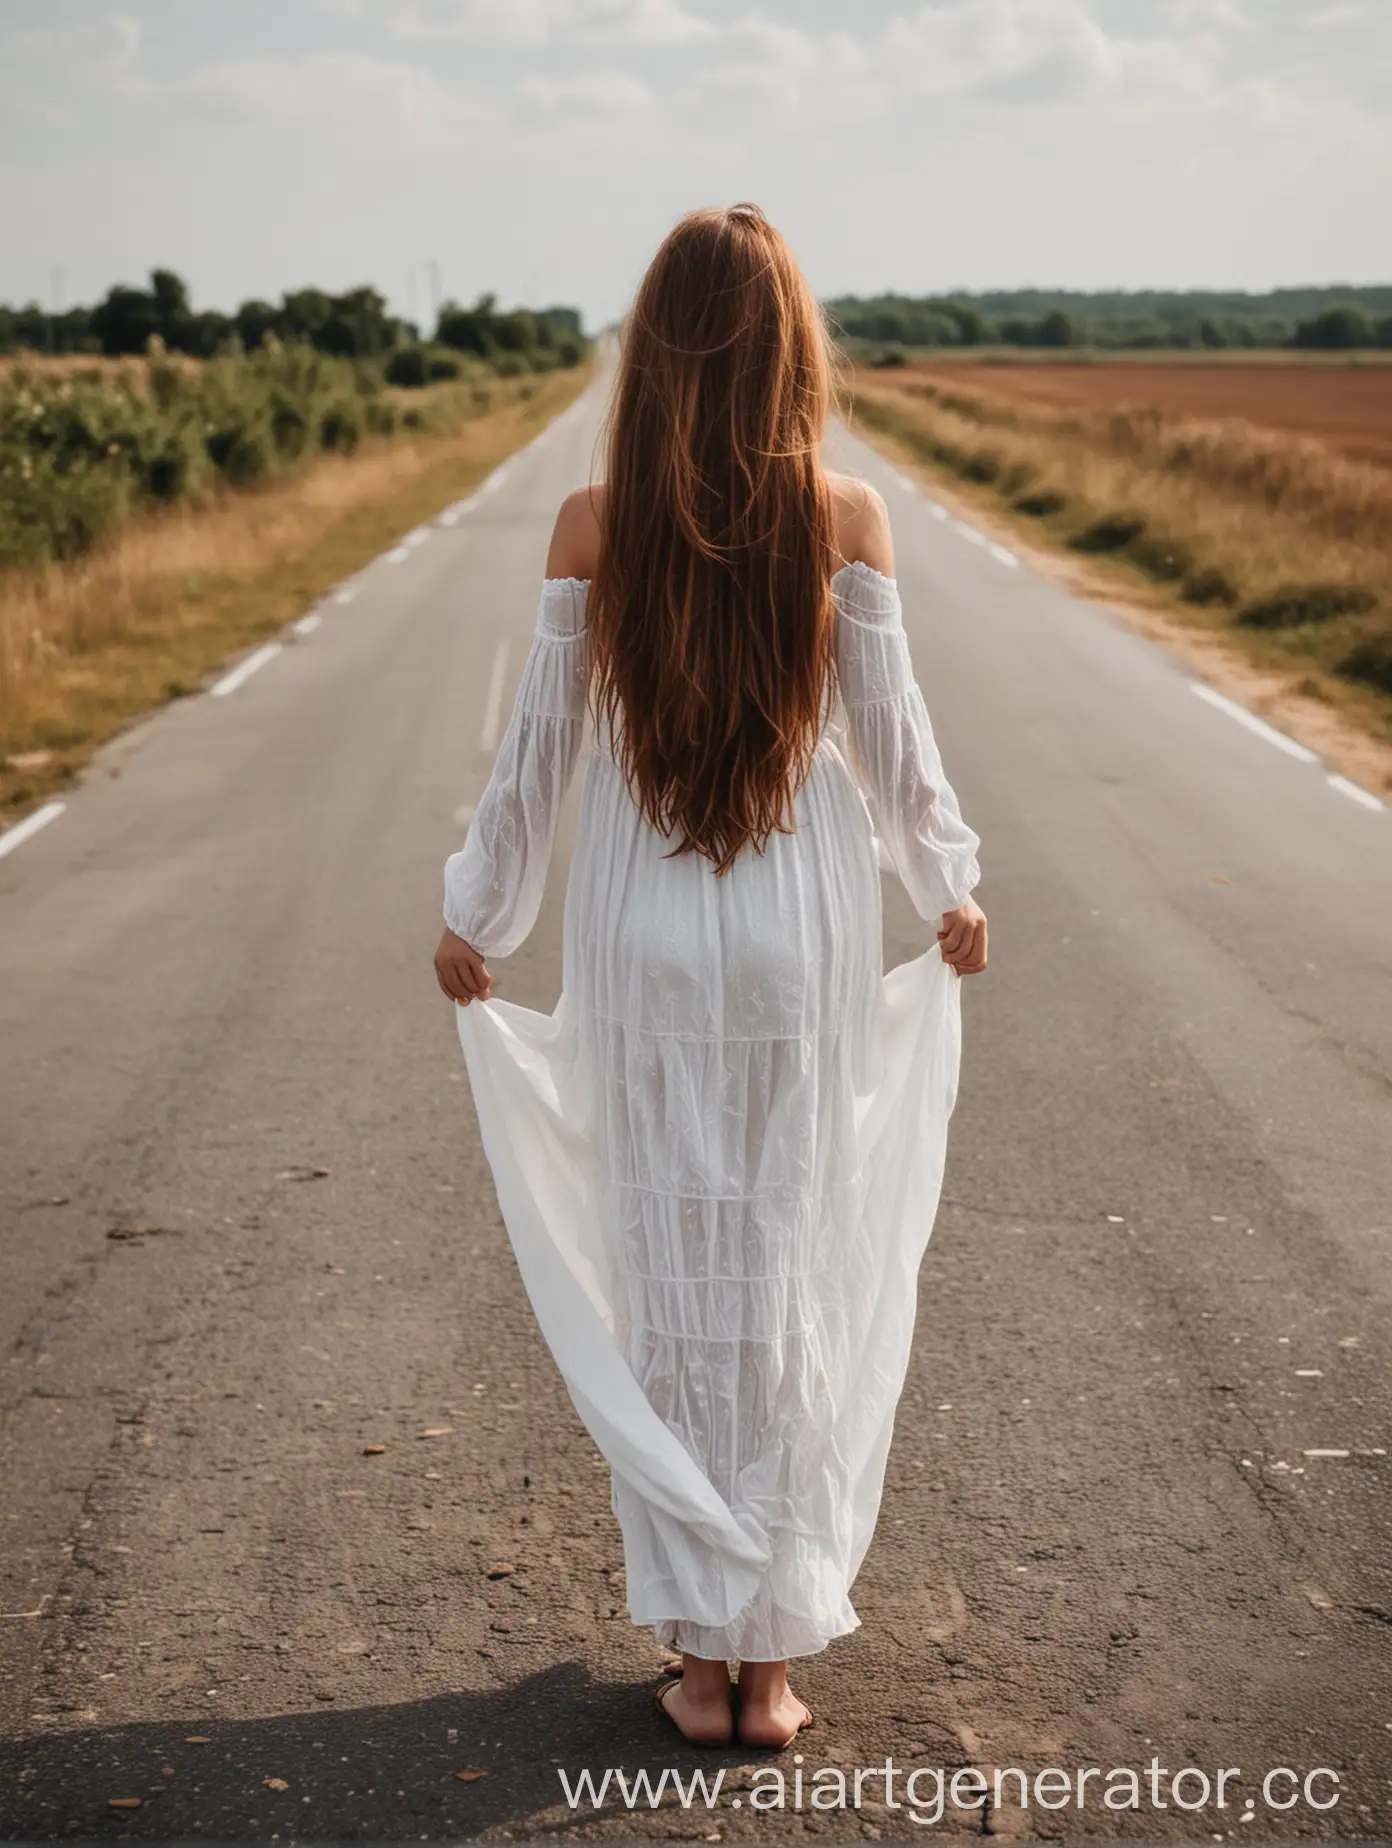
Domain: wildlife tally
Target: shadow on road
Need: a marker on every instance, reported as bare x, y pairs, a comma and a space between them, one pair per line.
372, 1773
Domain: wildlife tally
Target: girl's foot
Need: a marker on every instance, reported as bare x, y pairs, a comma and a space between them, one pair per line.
698, 1703
770, 1715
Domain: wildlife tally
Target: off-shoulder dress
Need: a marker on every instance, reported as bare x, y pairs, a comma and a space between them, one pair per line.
719, 1159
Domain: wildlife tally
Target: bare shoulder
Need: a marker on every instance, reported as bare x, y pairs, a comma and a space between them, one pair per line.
574, 550
862, 523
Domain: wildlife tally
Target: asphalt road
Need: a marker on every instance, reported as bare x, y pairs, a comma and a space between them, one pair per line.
1138, 1503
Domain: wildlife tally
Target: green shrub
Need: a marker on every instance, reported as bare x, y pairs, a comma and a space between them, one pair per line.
408, 368
1041, 504
78, 453
888, 357
341, 427
1111, 532
1294, 605
443, 366
981, 465
1369, 661
1209, 585
1159, 557
244, 452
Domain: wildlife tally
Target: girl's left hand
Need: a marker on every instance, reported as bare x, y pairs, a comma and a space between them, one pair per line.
963, 938
461, 972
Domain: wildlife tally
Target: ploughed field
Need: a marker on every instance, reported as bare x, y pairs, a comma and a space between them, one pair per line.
1349, 407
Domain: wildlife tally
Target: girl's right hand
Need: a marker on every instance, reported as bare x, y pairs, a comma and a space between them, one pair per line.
461, 971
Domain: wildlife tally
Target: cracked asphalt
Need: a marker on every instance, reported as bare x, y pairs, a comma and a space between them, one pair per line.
275, 1412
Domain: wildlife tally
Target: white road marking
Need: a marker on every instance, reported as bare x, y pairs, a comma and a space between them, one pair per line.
1005, 556
969, 533
495, 480
398, 555
938, 511
25, 830
1259, 726
307, 624
346, 595
448, 518
909, 486
1364, 797
493, 705
417, 537
244, 670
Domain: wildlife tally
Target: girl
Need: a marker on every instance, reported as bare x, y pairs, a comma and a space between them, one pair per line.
720, 1159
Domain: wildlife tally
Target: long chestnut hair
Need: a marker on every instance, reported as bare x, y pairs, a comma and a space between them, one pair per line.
710, 614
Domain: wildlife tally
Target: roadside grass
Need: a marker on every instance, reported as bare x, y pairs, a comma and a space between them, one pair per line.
1267, 543
87, 646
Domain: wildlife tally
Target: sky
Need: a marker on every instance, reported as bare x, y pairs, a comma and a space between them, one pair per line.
540, 149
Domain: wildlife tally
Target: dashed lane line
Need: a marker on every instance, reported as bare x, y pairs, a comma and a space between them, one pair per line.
33, 824
244, 670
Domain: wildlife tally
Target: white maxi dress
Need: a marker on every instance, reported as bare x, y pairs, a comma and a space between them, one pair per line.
719, 1160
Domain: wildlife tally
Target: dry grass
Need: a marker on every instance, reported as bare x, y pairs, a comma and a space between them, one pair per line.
86, 647
1212, 520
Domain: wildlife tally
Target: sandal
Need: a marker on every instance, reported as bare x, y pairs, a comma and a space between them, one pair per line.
659, 1701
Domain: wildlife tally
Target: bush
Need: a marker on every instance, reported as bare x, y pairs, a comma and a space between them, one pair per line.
1041, 504
1337, 329
408, 368
1207, 586
77, 453
1159, 557
341, 427
443, 366
1109, 533
1369, 661
889, 356
982, 465
1294, 605
244, 452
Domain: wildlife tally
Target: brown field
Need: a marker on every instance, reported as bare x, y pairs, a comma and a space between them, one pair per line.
1348, 407
1268, 544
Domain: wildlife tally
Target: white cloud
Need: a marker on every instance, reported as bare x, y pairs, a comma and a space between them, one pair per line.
1350, 13
1220, 15
612, 93
40, 71
1016, 53
380, 98
532, 22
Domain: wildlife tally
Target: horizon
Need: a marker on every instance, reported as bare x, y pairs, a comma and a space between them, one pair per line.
539, 149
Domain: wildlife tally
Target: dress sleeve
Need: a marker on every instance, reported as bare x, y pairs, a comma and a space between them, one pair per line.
493, 885
890, 747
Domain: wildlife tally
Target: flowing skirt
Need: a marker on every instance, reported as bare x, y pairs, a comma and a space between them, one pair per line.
719, 1163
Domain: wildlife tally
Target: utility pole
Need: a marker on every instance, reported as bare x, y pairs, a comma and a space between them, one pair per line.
433, 270
57, 280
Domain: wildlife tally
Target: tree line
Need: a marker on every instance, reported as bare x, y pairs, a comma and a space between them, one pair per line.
354, 325
1336, 319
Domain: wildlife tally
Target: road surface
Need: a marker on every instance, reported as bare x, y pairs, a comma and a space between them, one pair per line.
1138, 1504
